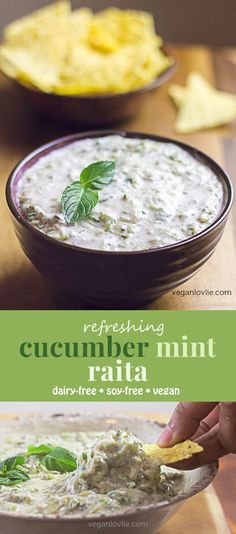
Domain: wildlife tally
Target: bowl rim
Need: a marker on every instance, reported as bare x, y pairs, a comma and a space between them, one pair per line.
212, 470
159, 80
69, 139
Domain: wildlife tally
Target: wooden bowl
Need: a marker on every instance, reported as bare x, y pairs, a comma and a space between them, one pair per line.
92, 110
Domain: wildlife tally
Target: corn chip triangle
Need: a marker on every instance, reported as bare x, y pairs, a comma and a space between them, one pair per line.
200, 106
177, 453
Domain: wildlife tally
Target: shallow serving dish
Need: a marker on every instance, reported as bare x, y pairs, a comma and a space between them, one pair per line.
154, 515
116, 279
93, 110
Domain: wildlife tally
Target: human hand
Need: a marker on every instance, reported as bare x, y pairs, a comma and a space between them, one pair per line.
211, 424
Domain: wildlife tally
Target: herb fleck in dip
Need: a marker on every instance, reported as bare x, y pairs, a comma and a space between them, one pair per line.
111, 474
159, 194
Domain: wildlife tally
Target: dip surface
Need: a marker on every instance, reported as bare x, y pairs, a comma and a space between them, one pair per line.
112, 475
159, 195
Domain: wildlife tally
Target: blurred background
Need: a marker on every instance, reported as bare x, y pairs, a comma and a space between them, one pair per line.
155, 408
202, 21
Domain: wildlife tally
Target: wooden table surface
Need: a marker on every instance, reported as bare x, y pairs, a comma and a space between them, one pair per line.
21, 286
213, 511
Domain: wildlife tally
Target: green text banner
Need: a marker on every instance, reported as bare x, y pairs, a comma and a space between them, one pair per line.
117, 356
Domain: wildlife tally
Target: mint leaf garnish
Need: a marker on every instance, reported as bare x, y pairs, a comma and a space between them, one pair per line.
79, 198
54, 458
98, 174
39, 450
60, 459
12, 471
77, 202
12, 462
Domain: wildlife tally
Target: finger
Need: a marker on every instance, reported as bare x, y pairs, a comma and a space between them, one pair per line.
227, 421
185, 421
206, 424
212, 450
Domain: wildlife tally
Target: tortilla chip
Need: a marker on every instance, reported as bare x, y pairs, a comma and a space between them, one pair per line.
78, 27
170, 455
21, 28
201, 106
114, 27
80, 52
178, 94
28, 68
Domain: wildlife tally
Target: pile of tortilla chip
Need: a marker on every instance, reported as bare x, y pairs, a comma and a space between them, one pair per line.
57, 50
179, 452
200, 106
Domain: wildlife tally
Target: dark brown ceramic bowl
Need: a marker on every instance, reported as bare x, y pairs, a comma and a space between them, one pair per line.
93, 110
141, 520
116, 279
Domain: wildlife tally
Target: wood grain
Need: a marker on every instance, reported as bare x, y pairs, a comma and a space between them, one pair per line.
225, 485
21, 286
201, 514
